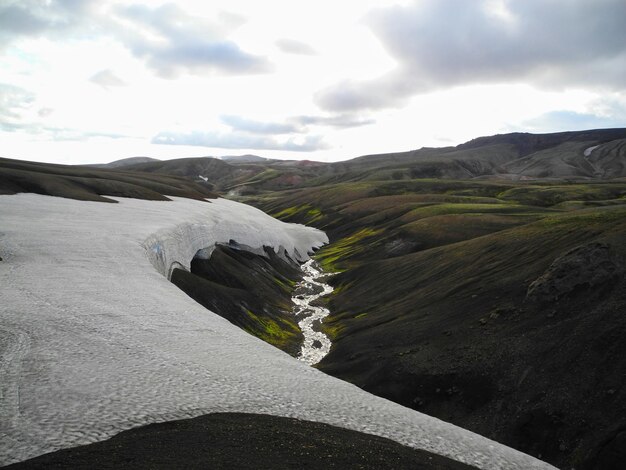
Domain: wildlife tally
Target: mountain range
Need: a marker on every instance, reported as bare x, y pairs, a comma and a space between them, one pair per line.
594, 154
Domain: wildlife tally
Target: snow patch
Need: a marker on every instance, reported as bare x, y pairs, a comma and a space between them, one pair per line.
229, 220
588, 150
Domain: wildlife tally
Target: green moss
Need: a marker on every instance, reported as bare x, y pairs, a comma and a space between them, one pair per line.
465, 208
304, 213
552, 194
333, 256
339, 289
287, 212
314, 212
332, 329
286, 285
277, 333
264, 176
584, 218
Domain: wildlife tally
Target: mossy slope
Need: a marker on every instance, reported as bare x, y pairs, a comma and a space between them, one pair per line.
251, 291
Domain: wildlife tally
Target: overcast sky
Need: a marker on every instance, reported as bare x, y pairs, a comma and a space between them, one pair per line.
85, 81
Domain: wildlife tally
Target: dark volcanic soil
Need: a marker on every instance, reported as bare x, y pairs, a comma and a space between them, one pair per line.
519, 336
241, 441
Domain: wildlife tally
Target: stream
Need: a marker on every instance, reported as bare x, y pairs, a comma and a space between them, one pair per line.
316, 344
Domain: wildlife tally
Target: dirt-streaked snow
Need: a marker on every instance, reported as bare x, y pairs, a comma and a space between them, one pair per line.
94, 339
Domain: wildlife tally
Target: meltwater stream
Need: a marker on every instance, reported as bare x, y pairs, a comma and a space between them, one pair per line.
316, 344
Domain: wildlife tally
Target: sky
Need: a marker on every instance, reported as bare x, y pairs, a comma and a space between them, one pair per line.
91, 81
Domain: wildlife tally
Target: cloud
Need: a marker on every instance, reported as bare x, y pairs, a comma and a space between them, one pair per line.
14, 101
238, 140
107, 79
351, 96
443, 43
256, 127
292, 46
294, 124
340, 121
168, 39
20, 18
45, 112
171, 42
75, 135
556, 121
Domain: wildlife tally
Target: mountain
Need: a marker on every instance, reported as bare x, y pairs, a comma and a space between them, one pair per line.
579, 155
237, 177
124, 162
243, 158
513, 156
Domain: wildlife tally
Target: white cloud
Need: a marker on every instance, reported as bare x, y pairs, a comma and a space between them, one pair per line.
292, 46
107, 79
444, 43
239, 140
256, 127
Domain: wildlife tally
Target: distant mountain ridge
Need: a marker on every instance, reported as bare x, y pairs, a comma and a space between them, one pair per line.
243, 158
124, 162
527, 143
576, 155
589, 154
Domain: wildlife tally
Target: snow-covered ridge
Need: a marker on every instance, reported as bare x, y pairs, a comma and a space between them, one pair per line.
94, 340
227, 220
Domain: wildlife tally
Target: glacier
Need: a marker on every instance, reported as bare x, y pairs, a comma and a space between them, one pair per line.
95, 340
